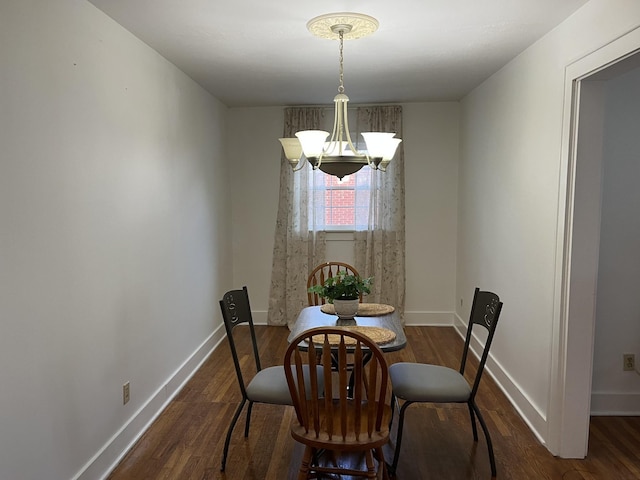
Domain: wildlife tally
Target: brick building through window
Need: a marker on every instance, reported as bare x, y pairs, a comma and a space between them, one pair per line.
343, 204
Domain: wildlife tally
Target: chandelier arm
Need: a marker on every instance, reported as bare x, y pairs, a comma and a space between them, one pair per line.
300, 164
355, 151
336, 133
340, 114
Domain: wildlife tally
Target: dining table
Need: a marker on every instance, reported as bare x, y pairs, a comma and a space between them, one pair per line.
379, 322
387, 319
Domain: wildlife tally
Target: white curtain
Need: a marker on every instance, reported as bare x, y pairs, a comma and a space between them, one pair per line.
380, 249
298, 247
300, 239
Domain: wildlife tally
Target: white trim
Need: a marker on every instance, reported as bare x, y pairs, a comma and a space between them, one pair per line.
259, 317
105, 460
615, 404
112, 452
346, 235
532, 415
568, 428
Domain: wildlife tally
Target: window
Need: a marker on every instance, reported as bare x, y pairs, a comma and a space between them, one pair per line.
341, 204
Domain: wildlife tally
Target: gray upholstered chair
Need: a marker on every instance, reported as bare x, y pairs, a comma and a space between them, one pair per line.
268, 385
424, 383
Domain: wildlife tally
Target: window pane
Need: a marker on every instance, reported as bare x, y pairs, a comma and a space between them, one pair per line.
340, 203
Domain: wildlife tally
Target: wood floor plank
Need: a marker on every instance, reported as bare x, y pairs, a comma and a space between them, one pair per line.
186, 440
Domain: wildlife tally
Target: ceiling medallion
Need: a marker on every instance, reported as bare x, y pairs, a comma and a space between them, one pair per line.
355, 25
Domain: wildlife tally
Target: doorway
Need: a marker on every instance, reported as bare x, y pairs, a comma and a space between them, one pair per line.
579, 240
617, 325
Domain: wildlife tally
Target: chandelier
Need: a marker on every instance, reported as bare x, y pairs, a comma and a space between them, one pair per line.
339, 156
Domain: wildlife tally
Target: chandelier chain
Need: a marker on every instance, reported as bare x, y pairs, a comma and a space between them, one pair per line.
341, 86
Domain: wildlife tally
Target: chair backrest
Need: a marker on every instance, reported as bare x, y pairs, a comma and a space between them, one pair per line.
235, 311
485, 311
355, 418
323, 271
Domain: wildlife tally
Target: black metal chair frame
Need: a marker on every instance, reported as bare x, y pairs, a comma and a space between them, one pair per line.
485, 312
235, 311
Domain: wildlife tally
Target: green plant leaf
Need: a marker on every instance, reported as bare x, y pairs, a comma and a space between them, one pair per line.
343, 286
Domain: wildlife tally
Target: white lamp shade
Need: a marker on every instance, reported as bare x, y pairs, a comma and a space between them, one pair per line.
312, 142
390, 149
381, 144
292, 148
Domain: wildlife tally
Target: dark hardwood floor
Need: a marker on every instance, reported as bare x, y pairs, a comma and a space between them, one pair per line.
186, 441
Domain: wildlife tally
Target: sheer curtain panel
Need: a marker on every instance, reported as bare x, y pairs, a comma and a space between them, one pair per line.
380, 249
298, 247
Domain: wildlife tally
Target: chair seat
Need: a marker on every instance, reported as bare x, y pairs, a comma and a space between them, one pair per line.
418, 382
426, 383
270, 385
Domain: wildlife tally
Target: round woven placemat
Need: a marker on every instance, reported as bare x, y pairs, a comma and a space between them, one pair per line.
378, 334
364, 309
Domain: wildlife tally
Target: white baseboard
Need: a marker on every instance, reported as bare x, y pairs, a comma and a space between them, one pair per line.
532, 416
615, 404
259, 317
108, 457
114, 450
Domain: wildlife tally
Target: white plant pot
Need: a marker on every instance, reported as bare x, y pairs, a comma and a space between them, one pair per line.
346, 309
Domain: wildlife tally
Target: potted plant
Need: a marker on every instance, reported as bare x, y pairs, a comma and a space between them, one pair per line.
343, 290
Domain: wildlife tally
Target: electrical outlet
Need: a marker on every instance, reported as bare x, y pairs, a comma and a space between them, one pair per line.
628, 362
125, 393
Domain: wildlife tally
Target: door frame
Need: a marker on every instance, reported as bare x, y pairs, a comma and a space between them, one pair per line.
577, 245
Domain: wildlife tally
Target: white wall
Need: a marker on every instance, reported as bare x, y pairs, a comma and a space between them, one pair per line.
114, 236
254, 167
618, 302
431, 180
430, 139
509, 184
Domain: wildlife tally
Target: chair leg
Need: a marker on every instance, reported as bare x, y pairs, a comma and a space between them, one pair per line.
382, 465
371, 467
393, 409
248, 422
303, 473
396, 453
225, 451
473, 421
492, 459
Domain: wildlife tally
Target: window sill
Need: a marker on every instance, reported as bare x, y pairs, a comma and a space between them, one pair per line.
340, 235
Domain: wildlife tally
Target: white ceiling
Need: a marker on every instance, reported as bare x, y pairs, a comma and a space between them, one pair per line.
259, 52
